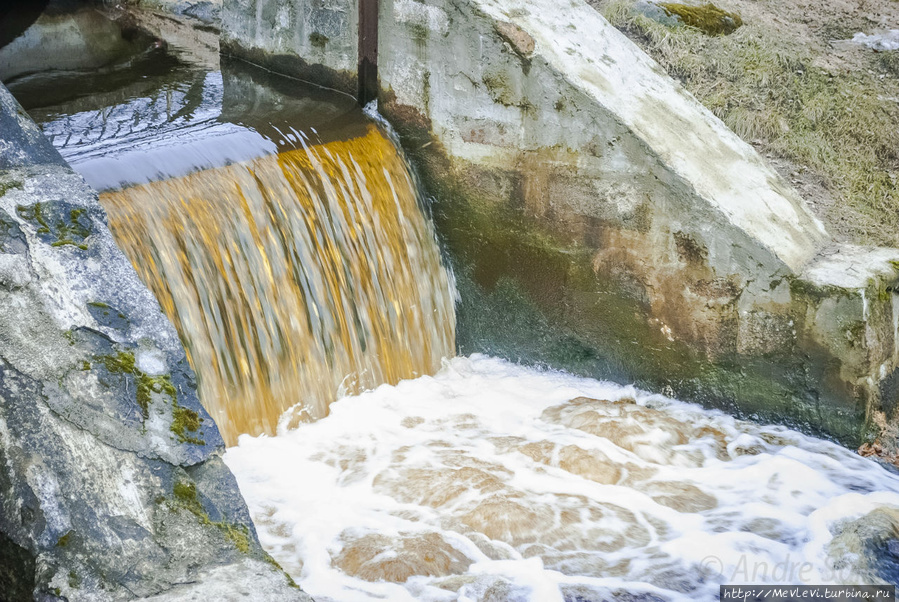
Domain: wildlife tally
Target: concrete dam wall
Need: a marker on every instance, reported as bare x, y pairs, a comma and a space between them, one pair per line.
599, 218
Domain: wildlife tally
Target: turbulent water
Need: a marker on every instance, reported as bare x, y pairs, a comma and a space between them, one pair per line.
494, 482
292, 278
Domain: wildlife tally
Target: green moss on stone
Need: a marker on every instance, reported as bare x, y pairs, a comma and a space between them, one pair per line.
187, 498
99, 304
268, 558
186, 493
186, 420
707, 18
67, 229
6, 186
74, 580
236, 534
318, 40
147, 385
815, 293
35, 213
64, 540
120, 363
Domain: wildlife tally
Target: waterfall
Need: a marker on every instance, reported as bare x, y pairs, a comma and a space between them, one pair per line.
292, 278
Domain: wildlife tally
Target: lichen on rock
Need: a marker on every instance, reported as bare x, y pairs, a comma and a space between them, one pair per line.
58, 223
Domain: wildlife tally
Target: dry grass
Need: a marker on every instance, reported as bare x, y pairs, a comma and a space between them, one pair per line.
843, 126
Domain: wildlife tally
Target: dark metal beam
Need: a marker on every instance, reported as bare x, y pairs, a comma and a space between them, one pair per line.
368, 51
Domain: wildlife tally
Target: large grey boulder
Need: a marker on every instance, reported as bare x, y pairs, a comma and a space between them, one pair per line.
111, 481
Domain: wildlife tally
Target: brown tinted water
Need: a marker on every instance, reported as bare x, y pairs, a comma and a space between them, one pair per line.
292, 278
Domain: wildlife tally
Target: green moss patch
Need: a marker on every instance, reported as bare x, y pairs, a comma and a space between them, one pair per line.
120, 363
187, 498
184, 420
318, 40
708, 18
64, 540
58, 223
7, 186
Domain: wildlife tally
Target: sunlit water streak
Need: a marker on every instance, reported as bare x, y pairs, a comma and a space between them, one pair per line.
495, 482
292, 278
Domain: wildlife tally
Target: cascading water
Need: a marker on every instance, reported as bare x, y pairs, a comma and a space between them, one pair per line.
292, 276
282, 234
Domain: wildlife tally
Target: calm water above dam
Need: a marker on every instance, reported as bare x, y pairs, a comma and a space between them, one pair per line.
283, 234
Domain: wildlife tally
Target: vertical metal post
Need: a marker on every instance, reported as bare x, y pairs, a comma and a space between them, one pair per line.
368, 51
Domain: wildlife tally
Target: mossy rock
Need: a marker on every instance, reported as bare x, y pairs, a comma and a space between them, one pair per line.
185, 422
59, 223
107, 316
707, 18
187, 498
12, 240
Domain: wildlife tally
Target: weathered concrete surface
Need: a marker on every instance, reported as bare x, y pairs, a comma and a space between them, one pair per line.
206, 14
111, 482
313, 40
603, 221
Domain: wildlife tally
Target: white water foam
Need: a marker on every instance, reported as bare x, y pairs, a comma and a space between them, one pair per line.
493, 482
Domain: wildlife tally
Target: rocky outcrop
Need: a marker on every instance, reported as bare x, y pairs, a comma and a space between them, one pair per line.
111, 481
868, 546
603, 221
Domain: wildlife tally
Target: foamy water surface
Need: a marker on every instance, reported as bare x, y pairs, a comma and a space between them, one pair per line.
495, 482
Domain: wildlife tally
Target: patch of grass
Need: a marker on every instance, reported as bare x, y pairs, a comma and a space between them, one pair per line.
889, 61
842, 127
